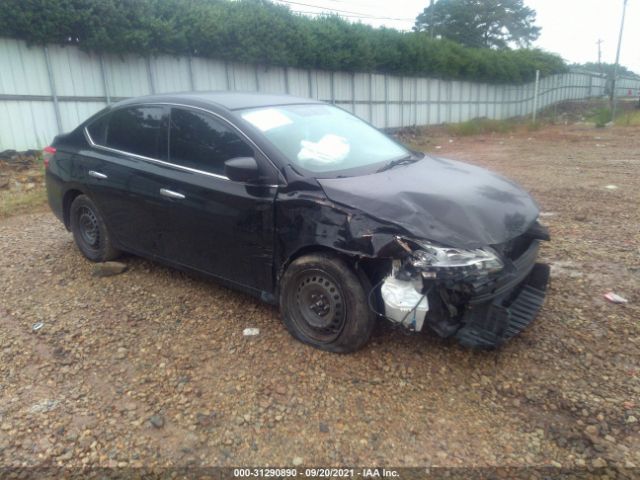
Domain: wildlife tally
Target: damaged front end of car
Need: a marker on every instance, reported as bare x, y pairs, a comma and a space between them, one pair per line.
441, 245
482, 297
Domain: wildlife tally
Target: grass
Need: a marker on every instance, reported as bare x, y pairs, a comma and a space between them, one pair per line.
16, 203
20, 201
479, 126
600, 117
628, 119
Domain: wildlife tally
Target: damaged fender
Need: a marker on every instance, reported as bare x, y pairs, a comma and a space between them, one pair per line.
305, 218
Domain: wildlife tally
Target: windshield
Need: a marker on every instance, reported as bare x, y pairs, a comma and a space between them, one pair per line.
323, 138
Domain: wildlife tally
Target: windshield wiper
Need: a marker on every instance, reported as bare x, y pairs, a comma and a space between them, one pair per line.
400, 161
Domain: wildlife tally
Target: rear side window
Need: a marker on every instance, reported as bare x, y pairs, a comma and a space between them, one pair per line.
198, 140
139, 130
98, 130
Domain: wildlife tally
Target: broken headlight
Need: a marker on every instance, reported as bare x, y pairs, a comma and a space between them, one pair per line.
434, 258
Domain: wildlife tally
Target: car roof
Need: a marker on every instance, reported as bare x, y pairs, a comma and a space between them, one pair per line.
228, 100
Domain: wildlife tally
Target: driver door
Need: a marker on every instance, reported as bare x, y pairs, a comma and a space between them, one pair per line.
208, 222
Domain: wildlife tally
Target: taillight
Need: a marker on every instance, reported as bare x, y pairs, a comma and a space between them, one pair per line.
47, 154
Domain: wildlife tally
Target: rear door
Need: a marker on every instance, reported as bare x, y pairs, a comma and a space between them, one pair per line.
124, 175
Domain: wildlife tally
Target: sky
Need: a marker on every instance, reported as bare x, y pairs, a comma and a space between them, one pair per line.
570, 28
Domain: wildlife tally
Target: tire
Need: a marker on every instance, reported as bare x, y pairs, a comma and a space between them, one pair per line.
324, 304
90, 232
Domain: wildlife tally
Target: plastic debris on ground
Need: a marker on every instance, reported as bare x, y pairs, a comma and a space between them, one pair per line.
44, 406
615, 298
251, 332
611, 187
37, 326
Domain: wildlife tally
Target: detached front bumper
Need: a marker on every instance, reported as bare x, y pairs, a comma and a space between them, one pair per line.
502, 310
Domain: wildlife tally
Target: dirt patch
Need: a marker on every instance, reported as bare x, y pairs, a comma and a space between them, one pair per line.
21, 182
116, 351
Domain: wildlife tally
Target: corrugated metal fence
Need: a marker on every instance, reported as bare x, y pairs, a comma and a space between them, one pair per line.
51, 89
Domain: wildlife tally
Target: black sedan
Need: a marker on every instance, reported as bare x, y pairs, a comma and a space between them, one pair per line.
303, 205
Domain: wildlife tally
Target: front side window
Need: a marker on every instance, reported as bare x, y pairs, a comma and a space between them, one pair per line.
321, 138
138, 130
200, 141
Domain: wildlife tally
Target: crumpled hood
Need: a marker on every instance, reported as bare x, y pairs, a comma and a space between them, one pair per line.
445, 201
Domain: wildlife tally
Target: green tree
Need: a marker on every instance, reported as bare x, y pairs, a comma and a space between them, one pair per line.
606, 69
260, 32
480, 23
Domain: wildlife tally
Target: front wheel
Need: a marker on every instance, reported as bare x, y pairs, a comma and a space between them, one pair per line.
324, 304
89, 231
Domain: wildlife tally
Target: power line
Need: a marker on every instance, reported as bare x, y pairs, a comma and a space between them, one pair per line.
348, 13
350, 16
324, 8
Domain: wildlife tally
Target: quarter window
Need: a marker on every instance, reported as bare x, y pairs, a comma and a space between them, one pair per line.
98, 130
200, 141
138, 130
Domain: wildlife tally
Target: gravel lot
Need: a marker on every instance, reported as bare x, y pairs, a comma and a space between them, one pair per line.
150, 367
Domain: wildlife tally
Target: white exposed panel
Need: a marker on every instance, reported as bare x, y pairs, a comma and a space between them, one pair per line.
321, 85
394, 119
76, 73
423, 88
298, 82
272, 80
22, 69
209, 75
25, 124
393, 88
378, 87
378, 115
127, 76
407, 89
432, 114
512, 102
74, 113
342, 86
243, 77
422, 114
362, 87
469, 109
484, 101
455, 92
170, 74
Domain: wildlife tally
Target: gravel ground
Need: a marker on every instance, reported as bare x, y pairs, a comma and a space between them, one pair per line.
150, 367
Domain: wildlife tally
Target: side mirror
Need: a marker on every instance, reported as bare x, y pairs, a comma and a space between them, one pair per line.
242, 169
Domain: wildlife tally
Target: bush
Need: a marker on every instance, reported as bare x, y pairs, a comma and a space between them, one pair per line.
478, 126
601, 117
257, 31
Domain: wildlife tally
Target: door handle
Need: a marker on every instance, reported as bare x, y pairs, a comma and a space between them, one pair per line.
93, 173
171, 194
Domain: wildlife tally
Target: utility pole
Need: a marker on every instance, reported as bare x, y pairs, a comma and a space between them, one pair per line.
615, 68
431, 19
599, 42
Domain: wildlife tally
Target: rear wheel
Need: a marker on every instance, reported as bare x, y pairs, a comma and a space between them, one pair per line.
323, 303
89, 231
